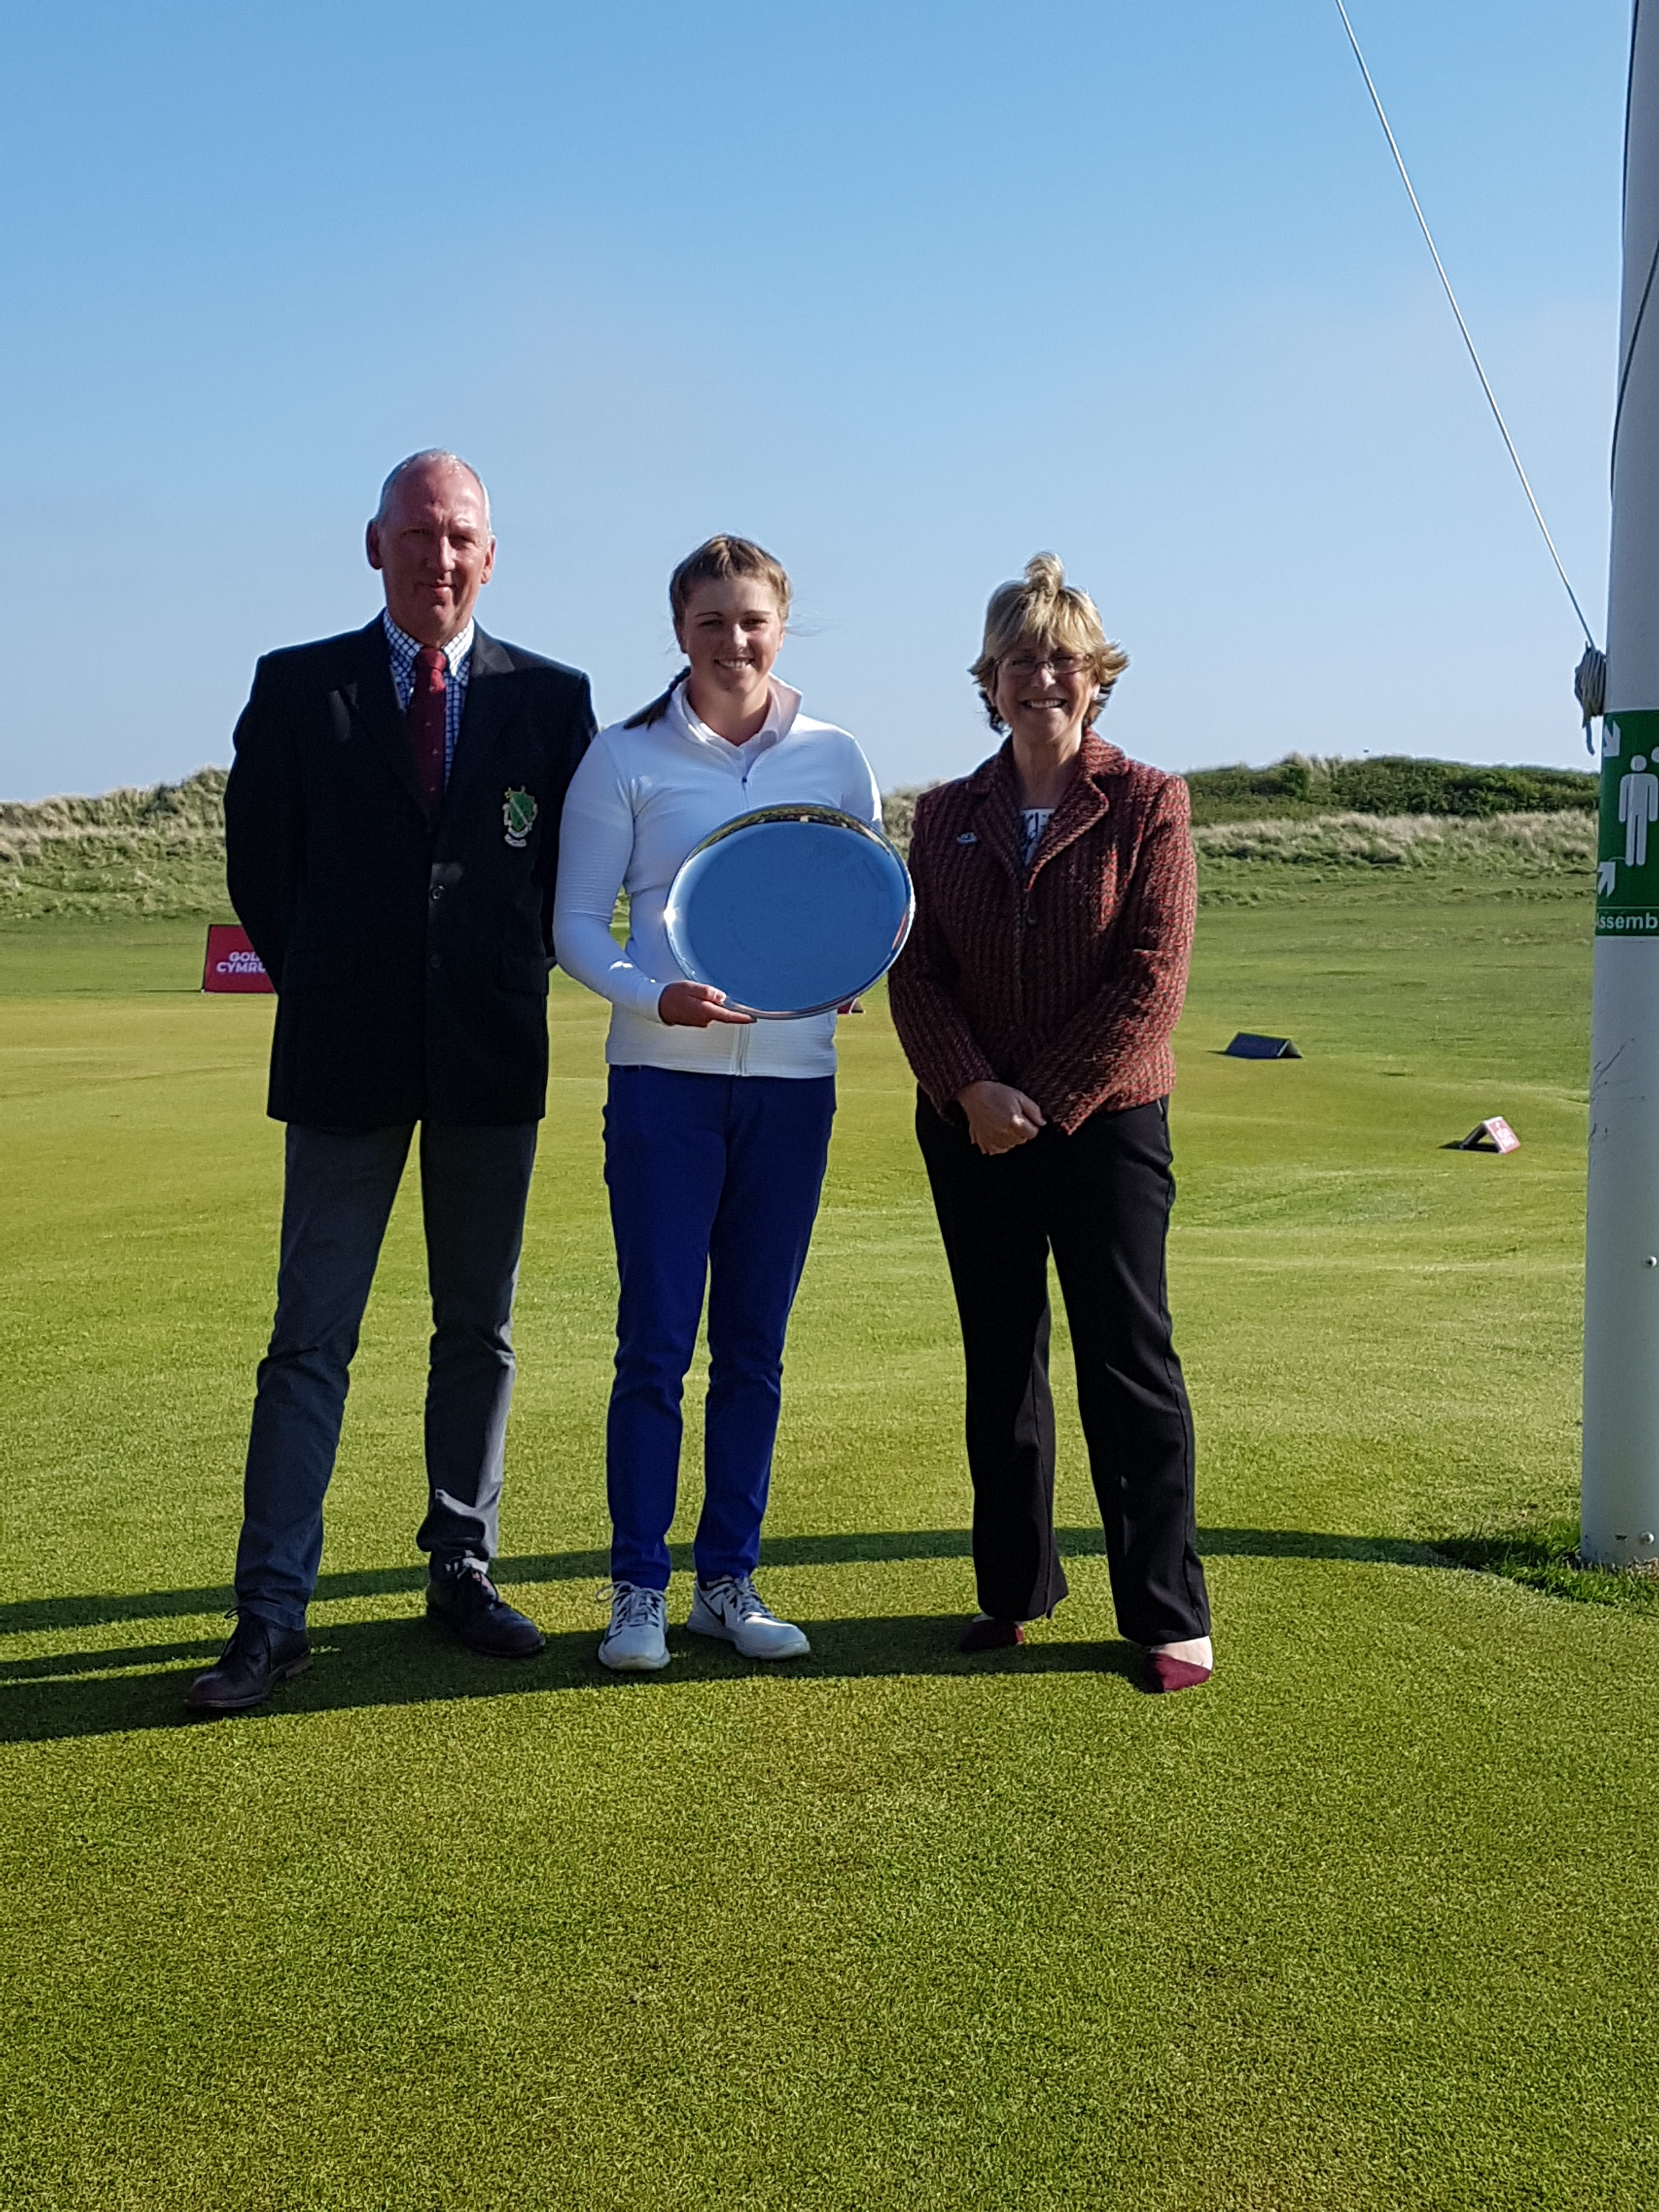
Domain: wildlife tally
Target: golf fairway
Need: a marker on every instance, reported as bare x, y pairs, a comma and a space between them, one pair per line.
1366, 1923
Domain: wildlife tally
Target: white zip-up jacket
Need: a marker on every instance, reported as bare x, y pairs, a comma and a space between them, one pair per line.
639, 802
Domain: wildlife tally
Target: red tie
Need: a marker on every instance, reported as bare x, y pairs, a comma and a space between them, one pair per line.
427, 723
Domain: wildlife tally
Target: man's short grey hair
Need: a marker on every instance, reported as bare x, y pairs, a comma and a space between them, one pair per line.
428, 455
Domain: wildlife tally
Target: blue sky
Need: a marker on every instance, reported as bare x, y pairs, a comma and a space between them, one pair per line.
907, 291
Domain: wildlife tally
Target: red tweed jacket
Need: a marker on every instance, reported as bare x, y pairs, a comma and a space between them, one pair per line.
1066, 978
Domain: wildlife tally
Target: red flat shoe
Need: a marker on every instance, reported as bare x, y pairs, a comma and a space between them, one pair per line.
986, 1634
1162, 1674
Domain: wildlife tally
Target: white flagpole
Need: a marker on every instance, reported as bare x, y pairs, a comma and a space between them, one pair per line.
1621, 1288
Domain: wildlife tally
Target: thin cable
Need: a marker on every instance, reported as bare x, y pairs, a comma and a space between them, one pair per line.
1629, 359
1653, 266
1497, 413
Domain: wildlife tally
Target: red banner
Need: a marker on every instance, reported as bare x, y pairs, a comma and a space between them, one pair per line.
232, 963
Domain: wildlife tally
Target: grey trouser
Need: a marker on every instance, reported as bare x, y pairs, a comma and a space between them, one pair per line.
337, 1200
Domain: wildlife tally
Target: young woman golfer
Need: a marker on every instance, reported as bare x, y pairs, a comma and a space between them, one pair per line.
716, 1127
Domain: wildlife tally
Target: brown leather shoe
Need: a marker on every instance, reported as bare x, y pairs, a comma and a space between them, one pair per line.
257, 1658
474, 1612
986, 1634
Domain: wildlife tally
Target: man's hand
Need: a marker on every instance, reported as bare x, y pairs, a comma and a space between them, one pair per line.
695, 1006
999, 1116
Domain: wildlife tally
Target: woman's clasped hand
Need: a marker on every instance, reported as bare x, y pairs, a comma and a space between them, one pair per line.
999, 1117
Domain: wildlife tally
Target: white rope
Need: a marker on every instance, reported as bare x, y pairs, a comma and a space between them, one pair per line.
1422, 224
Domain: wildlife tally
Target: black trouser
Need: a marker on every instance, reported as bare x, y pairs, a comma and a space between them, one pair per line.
1100, 1201
337, 1200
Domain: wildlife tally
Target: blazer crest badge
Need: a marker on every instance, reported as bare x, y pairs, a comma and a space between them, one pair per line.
519, 812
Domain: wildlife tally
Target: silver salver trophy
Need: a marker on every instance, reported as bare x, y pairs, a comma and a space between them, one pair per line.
790, 911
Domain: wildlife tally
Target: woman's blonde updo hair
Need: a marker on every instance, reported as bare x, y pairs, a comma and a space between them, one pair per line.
1044, 610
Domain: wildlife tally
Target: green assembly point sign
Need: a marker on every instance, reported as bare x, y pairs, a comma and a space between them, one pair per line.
1627, 854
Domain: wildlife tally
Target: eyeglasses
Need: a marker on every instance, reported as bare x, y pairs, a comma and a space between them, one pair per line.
1024, 666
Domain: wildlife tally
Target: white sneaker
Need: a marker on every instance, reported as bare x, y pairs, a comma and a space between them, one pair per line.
636, 1642
732, 1608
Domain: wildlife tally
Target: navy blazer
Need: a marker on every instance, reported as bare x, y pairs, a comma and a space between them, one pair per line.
409, 956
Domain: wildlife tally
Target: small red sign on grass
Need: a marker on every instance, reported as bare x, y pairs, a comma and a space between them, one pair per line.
231, 963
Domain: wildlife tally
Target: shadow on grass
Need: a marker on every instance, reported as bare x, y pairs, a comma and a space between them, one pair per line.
1544, 1556
400, 1660
405, 1662
25, 1616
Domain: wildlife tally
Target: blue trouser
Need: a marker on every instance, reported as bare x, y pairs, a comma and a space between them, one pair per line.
713, 1178
337, 1200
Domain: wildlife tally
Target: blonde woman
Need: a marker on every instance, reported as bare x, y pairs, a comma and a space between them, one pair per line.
1035, 999
716, 1127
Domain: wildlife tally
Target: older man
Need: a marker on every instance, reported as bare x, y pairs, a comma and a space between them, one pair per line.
391, 829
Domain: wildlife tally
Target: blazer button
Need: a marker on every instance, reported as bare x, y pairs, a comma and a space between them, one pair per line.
1030, 918
437, 961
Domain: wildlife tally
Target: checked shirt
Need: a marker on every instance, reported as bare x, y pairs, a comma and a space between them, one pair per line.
459, 654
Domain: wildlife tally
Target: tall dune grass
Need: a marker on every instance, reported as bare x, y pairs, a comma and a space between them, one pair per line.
161, 851
157, 851
1553, 844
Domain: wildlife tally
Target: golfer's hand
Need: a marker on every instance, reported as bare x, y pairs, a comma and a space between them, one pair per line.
999, 1116
695, 1006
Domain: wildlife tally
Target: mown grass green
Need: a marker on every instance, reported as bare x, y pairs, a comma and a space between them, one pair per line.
1366, 1924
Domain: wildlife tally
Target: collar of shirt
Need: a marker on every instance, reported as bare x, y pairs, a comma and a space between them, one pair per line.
457, 652
780, 720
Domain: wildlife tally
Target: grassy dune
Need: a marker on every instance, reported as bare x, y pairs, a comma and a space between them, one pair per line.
160, 854
1302, 785
1540, 856
157, 852
1364, 1925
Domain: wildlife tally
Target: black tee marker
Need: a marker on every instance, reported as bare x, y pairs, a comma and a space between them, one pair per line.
1248, 1046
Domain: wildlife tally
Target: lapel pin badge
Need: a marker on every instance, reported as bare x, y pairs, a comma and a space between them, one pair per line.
518, 811
967, 837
